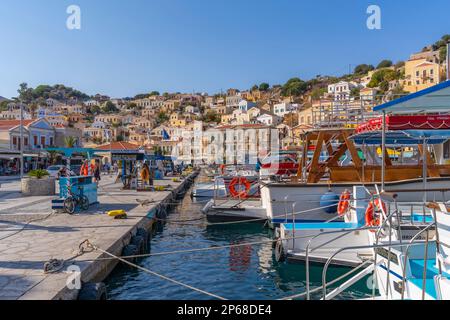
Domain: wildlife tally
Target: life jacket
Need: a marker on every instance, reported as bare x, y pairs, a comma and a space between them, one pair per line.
84, 171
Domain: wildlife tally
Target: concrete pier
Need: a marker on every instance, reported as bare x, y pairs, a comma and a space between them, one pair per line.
30, 236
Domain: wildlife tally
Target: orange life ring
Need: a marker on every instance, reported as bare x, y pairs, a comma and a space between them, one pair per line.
371, 220
239, 181
344, 202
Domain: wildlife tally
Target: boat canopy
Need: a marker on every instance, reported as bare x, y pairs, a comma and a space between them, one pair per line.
435, 99
415, 122
402, 137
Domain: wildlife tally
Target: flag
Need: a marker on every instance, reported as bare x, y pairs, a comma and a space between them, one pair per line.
165, 135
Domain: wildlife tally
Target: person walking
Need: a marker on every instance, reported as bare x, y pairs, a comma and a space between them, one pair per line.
97, 172
145, 174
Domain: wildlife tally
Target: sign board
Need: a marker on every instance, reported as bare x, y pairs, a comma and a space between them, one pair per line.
125, 157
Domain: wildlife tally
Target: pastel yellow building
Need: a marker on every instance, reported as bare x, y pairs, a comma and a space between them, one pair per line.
177, 120
421, 74
226, 118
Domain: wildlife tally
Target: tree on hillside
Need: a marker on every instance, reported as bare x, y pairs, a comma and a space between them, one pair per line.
109, 107
140, 96
264, 86
384, 75
363, 69
25, 93
154, 93
443, 54
94, 110
4, 105
294, 87
400, 64
211, 116
355, 92
316, 93
133, 106
162, 117
442, 42
385, 64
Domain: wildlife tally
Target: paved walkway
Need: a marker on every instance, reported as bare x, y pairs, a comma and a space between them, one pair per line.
29, 238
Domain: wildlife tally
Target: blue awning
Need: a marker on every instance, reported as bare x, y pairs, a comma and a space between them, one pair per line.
435, 99
406, 137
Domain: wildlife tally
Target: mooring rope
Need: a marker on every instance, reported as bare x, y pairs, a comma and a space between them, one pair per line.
253, 243
146, 270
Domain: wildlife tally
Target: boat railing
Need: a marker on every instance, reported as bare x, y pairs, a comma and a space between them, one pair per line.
406, 254
343, 233
413, 242
373, 246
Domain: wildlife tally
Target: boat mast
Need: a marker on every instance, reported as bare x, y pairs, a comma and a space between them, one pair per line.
383, 151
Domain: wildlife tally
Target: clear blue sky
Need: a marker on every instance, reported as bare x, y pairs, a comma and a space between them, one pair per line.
130, 47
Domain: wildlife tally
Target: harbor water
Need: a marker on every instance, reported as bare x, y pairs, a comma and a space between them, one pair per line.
248, 272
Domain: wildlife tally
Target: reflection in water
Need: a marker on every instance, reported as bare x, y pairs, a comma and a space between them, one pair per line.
240, 257
241, 273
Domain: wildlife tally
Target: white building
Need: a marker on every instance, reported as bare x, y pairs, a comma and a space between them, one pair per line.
14, 114
341, 91
92, 103
269, 119
192, 109
282, 109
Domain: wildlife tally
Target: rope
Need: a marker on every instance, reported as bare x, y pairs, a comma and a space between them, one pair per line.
253, 243
56, 265
280, 216
157, 274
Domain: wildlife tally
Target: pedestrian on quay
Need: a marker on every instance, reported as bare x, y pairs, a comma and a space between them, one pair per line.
145, 174
97, 173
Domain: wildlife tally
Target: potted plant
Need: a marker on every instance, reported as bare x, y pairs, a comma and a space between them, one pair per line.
38, 183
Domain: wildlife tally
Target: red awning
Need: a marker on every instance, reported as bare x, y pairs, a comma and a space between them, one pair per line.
433, 122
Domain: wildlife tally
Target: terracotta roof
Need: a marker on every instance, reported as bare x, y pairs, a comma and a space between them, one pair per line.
9, 124
243, 126
119, 146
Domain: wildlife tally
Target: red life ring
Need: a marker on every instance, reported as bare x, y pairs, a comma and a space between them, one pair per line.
240, 181
371, 220
344, 202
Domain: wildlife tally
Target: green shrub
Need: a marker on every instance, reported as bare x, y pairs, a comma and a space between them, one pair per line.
39, 173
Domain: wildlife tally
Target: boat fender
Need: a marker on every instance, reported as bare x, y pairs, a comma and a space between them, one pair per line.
208, 206
130, 250
344, 203
280, 255
114, 213
373, 219
277, 236
139, 242
93, 291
